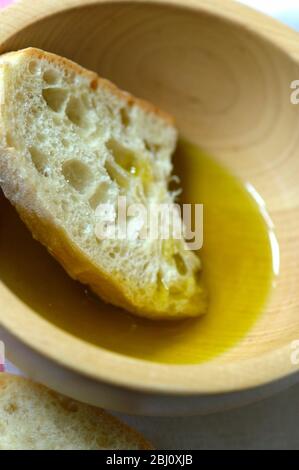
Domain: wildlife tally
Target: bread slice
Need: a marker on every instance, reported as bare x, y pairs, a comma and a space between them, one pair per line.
33, 417
70, 141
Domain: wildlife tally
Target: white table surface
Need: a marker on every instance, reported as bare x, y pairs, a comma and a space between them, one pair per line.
269, 424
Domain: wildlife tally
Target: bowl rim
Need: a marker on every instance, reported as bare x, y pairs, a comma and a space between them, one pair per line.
106, 366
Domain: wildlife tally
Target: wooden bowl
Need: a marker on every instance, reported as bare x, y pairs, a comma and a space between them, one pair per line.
224, 71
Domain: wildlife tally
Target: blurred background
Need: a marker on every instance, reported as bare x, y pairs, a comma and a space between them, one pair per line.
284, 10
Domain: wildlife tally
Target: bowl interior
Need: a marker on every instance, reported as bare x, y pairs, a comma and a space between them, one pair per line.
229, 90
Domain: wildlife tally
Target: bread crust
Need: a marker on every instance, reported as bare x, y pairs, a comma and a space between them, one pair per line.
95, 81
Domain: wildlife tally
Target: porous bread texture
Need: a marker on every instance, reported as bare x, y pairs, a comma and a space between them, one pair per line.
33, 417
70, 141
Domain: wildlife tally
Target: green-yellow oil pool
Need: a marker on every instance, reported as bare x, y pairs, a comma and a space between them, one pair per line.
237, 269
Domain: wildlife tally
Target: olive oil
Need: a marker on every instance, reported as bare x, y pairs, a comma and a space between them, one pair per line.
237, 270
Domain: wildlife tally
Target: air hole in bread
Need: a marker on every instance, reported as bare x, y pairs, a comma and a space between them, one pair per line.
55, 98
116, 174
100, 195
180, 264
123, 157
41, 137
125, 117
10, 140
11, 408
65, 143
147, 145
151, 147
70, 75
161, 286
51, 77
77, 174
39, 160
76, 112
35, 111
33, 67
145, 266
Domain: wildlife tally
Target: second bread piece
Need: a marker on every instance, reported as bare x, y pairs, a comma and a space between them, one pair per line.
70, 141
32, 417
